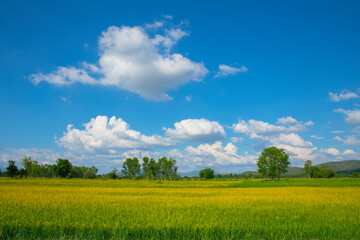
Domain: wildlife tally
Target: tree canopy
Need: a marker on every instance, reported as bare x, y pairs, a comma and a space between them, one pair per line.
272, 162
207, 173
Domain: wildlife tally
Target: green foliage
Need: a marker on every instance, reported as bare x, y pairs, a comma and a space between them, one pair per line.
322, 172
355, 174
167, 169
33, 169
272, 162
62, 168
131, 168
83, 172
207, 173
112, 174
12, 169
307, 168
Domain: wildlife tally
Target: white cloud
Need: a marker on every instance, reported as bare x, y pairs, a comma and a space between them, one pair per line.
336, 155
188, 98
316, 137
309, 123
201, 130
104, 134
156, 24
344, 95
337, 131
291, 139
281, 136
131, 60
349, 141
64, 76
216, 154
260, 129
286, 121
225, 70
352, 116
64, 99
236, 139
331, 151
167, 16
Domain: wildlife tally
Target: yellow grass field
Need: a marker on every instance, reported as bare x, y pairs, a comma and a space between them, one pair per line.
124, 209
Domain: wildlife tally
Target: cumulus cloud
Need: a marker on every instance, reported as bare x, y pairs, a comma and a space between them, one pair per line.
336, 154
132, 60
260, 129
43, 156
216, 154
64, 76
225, 70
352, 116
201, 130
349, 140
291, 139
287, 120
344, 95
104, 134
282, 136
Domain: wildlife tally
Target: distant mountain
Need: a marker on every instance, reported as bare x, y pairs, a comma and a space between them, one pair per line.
342, 166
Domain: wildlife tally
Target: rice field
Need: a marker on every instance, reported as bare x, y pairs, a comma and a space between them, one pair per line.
124, 209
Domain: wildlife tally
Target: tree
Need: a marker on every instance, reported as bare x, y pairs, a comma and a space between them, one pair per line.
145, 167
90, 172
12, 169
207, 173
154, 169
131, 168
62, 168
322, 172
112, 174
167, 168
272, 162
355, 174
307, 168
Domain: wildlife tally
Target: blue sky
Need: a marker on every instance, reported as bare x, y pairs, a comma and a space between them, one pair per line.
207, 83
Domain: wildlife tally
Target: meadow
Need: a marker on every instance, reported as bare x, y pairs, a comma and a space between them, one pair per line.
231, 209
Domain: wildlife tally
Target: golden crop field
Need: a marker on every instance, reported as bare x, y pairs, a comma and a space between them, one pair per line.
124, 209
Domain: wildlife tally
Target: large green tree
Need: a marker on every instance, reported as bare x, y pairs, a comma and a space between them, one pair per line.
272, 162
62, 168
207, 173
131, 168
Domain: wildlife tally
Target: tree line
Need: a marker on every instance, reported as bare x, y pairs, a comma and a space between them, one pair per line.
271, 163
63, 169
162, 169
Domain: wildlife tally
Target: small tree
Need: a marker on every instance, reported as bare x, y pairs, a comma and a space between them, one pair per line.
62, 168
131, 168
12, 169
207, 173
307, 168
272, 162
112, 174
355, 174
